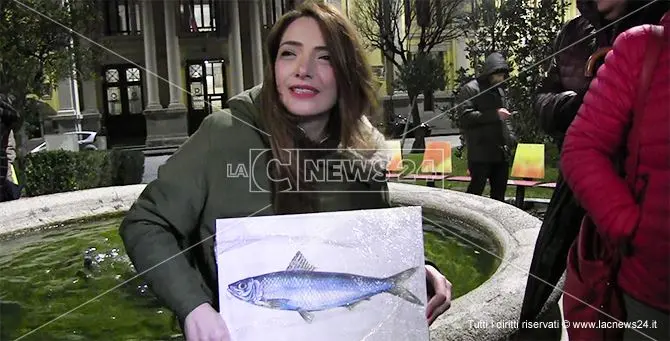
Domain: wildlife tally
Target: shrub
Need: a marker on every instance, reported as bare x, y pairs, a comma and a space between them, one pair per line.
50, 172
552, 154
63, 171
128, 166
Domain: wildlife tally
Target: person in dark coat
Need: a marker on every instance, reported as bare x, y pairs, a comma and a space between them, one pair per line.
10, 312
8, 117
556, 105
485, 124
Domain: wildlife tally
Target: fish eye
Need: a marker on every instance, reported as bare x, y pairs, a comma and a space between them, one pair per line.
242, 286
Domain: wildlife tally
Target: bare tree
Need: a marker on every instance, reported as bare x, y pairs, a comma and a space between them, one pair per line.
406, 29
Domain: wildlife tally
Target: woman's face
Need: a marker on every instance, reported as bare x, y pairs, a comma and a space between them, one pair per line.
304, 77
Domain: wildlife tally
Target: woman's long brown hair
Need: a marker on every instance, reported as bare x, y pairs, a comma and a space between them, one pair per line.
356, 97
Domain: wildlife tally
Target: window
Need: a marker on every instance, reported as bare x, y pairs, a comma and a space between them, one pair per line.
206, 80
276, 8
123, 17
207, 84
199, 15
123, 90
378, 71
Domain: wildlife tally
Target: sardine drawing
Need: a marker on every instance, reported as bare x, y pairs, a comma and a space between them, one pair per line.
299, 288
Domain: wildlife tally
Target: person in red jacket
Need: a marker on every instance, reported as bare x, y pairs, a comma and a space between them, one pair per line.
556, 103
595, 137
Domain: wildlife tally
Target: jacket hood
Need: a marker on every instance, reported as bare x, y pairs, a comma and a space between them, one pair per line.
494, 62
246, 107
650, 14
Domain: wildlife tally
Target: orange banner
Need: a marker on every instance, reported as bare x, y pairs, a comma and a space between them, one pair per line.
437, 158
528, 161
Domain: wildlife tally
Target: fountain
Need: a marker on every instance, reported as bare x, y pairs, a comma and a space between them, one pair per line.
482, 245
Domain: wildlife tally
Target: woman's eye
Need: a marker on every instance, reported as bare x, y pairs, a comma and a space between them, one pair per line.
286, 54
326, 58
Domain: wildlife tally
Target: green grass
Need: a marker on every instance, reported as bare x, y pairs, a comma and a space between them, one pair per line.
459, 168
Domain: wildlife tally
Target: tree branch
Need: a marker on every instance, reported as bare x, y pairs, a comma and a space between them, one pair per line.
369, 19
447, 23
398, 16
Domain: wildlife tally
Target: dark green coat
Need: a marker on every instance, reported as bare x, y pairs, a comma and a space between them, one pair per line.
195, 187
485, 133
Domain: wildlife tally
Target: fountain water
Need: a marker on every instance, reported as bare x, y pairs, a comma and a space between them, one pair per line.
59, 251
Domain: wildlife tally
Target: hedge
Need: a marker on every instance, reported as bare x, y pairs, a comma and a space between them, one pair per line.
63, 171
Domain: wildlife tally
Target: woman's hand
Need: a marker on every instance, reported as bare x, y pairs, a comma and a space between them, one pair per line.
205, 324
441, 300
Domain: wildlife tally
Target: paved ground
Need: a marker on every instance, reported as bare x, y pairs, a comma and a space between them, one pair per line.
440, 124
151, 163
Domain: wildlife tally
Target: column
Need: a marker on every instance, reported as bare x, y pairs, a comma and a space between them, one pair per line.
173, 56
235, 50
256, 41
153, 100
68, 115
91, 114
90, 94
264, 12
166, 127
67, 118
278, 9
65, 94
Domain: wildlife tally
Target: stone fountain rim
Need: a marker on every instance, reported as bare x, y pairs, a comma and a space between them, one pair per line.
502, 294
25, 215
516, 232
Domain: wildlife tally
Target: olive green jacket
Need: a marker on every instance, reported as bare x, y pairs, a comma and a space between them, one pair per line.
204, 181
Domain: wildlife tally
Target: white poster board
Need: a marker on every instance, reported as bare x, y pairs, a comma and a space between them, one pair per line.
351, 275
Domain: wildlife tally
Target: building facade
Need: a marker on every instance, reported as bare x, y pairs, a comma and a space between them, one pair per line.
452, 52
166, 64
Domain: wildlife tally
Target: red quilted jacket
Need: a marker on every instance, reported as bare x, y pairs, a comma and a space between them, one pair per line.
594, 138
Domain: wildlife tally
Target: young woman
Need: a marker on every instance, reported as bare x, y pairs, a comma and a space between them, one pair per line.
316, 93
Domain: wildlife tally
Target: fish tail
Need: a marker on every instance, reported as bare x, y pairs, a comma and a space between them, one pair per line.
399, 290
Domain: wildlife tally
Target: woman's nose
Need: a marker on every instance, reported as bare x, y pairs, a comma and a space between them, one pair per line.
304, 68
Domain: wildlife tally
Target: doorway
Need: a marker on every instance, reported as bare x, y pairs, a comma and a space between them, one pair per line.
206, 81
123, 98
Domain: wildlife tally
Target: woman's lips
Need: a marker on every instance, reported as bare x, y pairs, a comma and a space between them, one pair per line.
303, 92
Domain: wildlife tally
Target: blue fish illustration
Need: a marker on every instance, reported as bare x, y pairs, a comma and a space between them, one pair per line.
299, 288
